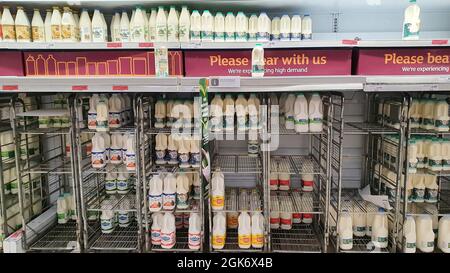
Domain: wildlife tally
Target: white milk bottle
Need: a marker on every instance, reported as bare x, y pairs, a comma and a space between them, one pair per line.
8, 149
218, 191
434, 155
359, 222
125, 32
85, 27
146, 24
285, 28
102, 124
264, 25
289, 112
172, 25
345, 231
380, 229
183, 151
315, 113
157, 220
152, 25
22, 24
161, 147
62, 210
412, 156
253, 112
241, 27
111, 183
107, 139
124, 217
444, 234
76, 18
115, 111
244, 230
414, 113
195, 151
123, 181
98, 27
219, 27
445, 151
257, 230
184, 25
307, 27
160, 114
301, 114
219, 230
409, 235
229, 112
105, 28
161, 25
37, 27
258, 61
230, 27
139, 26
276, 29
130, 155
194, 232
115, 27
67, 25
431, 188
172, 148
98, 154
441, 116
428, 115
108, 221
296, 28
252, 27
273, 176
182, 191
285, 181
92, 112
169, 192
411, 23
241, 112
207, 33
155, 192
196, 26
48, 25
7, 25
216, 110
371, 210
425, 234
168, 229
116, 156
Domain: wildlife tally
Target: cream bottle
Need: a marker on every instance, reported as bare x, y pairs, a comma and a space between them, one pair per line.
85, 27
219, 27
23, 28
37, 27
184, 25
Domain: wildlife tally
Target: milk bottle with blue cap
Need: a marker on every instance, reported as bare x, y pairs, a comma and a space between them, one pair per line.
307, 27
168, 229
194, 233
241, 27
169, 192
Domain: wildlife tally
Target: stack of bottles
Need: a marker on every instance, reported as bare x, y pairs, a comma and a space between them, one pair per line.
155, 25
66, 208
178, 149
288, 210
107, 113
427, 152
418, 233
63, 121
111, 219
176, 113
429, 114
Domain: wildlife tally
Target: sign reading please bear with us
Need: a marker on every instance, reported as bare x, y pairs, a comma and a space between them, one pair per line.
98, 63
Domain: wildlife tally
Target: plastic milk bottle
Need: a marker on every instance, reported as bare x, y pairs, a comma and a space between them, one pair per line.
196, 26
219, 230
315, 113
161, 147
301, 114
285, 28
161, 25
425, 234
219, 27
345, 231
241, 24
306, 27
207, 33
411, 23
244, 230
194, 232
409, 235
155, 200
252, 27
184, 25
168, 229
257, 230
258, 61
444, 234
169, 191
157, 220
230, 27
218, 191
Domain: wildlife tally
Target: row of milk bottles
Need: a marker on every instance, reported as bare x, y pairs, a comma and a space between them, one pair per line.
250, 230
281, 211
361, 223
66, 208
117, 181
417, 233
280, 178
109, 112
300, 113
430, 114
224, 110
178, 149
426, 152
163, 230
110, 219
176, 113
170, 191
114, 149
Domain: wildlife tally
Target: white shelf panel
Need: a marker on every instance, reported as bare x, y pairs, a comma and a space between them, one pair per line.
269, 44
86, 46
401, 43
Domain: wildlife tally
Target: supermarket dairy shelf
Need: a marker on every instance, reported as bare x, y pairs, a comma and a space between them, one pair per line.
242, 164
282, 130
301, 202
114, 202
181, 245
420, 131
300, 238
295, 164
168, 168
87, 46
60, 237
121, 239
109, 168
231, 244
267, 44
363, 128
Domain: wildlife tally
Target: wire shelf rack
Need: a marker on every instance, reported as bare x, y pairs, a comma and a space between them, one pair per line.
363, 128
283, 131
121, 130
60, 237
114, 202
169, 130
237, 202
34, 130
301, 238
301, 202
241, 164
121, 239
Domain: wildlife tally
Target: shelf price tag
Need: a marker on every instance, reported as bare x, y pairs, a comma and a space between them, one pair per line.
10, 87
79, 87
233, 81
114, 45
146, 45
439, 42
120, 88
349, 42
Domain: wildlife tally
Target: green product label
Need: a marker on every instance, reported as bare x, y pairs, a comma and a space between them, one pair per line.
230, 35
62, 216
7, 154
195, 35
44, 121
410, 245
219, 35
430, 244
427, 121
182, 31
315, 121
258, 68
382, 239
242, 36
433, 162
347, 241
301, 122
407, 33
441, 123
207, 35
102, 124
359, 229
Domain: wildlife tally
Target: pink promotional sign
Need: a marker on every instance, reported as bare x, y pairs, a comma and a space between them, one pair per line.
404, 61
98, 63
278, 62
11, 63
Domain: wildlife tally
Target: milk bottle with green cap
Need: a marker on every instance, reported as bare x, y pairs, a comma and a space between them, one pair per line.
230, 27
98, 27
207, 26
241, 27
161, 25
229, 112
258, 61
301, 119
252, 27
219, 27
264, 26
172, 25
138, 30
411, 23
241, 112
85, 27
184, 25
289, 111
440, 116
315, 113
275, 29
196, 26
425, 234
285, 28
152, 25
306, 27
409, 235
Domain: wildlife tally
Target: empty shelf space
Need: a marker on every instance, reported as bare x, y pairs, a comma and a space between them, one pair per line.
115, 202
237, 201
295, 164
121, 239
363, 128
237, 164
300, 238
58, 237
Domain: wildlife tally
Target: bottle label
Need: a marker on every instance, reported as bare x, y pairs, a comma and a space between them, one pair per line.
285, 36
97, 35
428, 122
252, 36
229, 121
155, 202
253, 148
242, 122
445, 163
194, 240
110, 186
102, 124
156, 236
124, 219
195, 35
92, 121
130, 161
408, 31
382, 239
138, 34
217, 202
62, 216
38, 34
160, 155
98, 159
219, 35
262, 36
315, 120
56, 32
431, 195
257, 240
125, 35
182, 200
289, 118
230, 36
286, 221
359, 229
207, 35
168, 201
116, 156
275, 36
85, 34
183, 158
346, 241
441, 123
301, 121
307, 36
274, 220
115, 119
286, 183
66, 32
241, 36
168, 239
107, 224
410, 245
195, 159
173, 155
297, 36
218, 241
123, 185
23, 33
183, 33
244, 240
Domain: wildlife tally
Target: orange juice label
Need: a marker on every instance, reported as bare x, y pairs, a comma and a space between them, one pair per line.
9, 33
37, 33
56, 32
257, 239
66, 31
218, 201
232, 221
218, 240
244, 240
23, 33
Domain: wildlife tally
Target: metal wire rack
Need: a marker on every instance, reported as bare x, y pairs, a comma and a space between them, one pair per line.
181, 245
283, 131
300, 238
240, 199
61, 237
237, 164
365, 128
121, 239
301, 202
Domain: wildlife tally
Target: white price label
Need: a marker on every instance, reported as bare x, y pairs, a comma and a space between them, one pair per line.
234, 82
